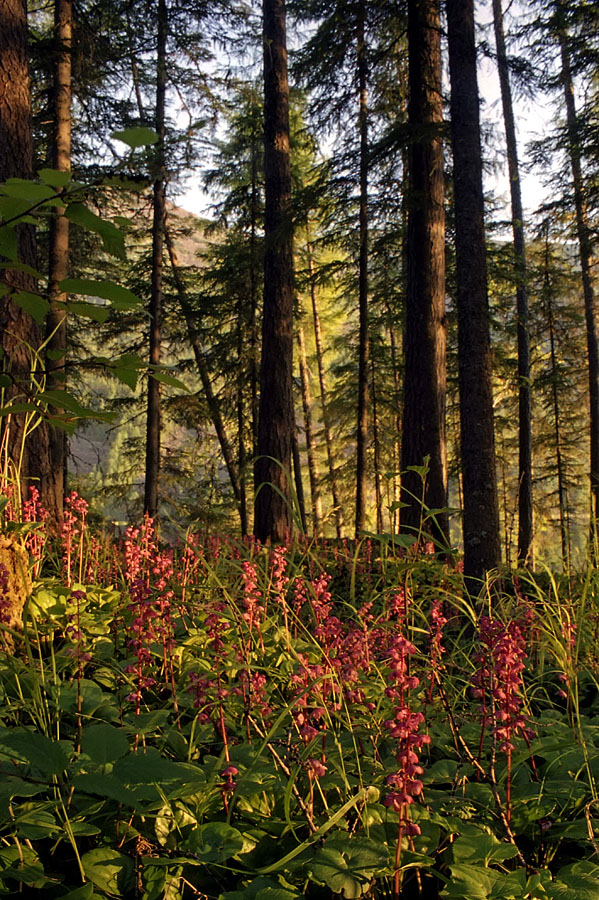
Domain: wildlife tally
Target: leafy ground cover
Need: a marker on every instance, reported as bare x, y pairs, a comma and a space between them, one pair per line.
221, 720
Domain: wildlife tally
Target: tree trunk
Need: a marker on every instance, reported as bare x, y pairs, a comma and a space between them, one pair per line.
324, 401
479, 479
299, 484
364, 343
586, 265
423, 430
378, 494
153, 424
272, 467
211, 398
310, 446
241, 419
525, 521
25, 452
56, 323
559, 460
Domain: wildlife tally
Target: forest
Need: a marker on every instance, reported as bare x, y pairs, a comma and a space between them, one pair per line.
299, 449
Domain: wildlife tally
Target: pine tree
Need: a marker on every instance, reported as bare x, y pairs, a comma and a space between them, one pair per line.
423, 429
272, 467
481, 515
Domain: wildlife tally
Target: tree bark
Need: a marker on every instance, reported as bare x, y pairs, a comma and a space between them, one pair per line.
423, 429
56, 322
153, 420
586, 265
559, 460
324, 401
364, 343
525, 515
479, 477
272, 467
25, 453
310, 445
211, 398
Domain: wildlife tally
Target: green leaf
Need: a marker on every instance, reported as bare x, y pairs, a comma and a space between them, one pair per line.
22, 267
54, 177
85, 892
34, 304
120, 297
104, 743
473, 882
112, 238
109, 870
106, 786
89, 311
29, 747
126, 369
137, 136
331, 869
215, 842
8, 243
65, 400
483, 847
24, 189
165, 378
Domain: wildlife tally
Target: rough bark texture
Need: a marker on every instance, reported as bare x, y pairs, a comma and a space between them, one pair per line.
586, 265
272, 468
155, 308
29, 457
479, 480
364, 343
56, 322
423, 431
525, 522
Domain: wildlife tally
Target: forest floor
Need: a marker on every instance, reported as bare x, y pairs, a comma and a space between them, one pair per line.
221, 720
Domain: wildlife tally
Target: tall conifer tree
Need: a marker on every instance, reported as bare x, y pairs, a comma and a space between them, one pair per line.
272, 469
479, 485
423, 431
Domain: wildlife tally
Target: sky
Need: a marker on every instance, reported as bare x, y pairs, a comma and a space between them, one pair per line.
531, 121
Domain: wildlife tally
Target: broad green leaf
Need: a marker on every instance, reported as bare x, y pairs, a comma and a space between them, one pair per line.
257, 888
8, 243
104, 743
64, 400
34, 304
17, 407
483, 847
215, 842
109, 870
119, 296
106, 786
22, 267
165, 378
54, 177
146, 768
89, 311
471, 882
29, 747
85, 892
34, 823
330, 868
137, 136
23, 189
112, 238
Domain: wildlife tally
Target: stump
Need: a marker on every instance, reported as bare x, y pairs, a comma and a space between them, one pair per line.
15, 586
